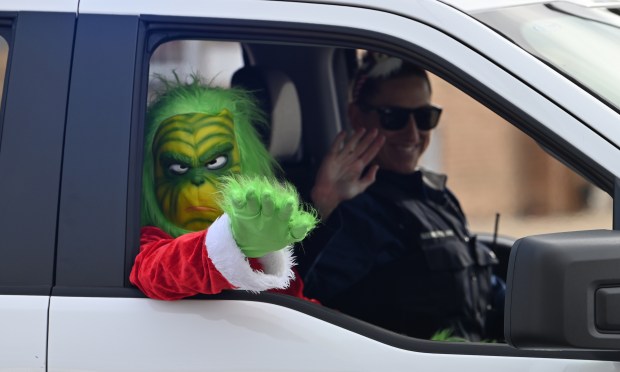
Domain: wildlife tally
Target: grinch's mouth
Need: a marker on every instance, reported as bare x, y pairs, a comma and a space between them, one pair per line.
199, 208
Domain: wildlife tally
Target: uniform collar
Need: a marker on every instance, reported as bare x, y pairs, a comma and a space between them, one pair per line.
413, 183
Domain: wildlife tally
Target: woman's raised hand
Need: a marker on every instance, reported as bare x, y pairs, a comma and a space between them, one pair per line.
341, 175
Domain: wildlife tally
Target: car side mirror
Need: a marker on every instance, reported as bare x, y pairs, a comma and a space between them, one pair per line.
563, 291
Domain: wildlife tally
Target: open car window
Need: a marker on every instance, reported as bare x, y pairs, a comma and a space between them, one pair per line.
507, 186
4, 59
497, 169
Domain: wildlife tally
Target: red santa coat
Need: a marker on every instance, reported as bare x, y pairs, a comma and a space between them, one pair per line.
207, 262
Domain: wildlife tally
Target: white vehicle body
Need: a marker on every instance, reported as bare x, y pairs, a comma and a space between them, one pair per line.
71, 332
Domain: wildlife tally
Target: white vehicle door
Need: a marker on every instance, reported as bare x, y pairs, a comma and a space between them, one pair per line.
98, 322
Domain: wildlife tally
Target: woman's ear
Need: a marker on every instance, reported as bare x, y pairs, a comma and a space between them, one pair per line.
355, 116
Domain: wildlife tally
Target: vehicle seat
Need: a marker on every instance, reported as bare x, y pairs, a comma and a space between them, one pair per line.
277, 96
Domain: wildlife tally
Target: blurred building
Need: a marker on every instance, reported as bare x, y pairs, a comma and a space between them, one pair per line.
494, 167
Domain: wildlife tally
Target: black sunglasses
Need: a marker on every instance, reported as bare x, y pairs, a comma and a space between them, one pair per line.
396, 118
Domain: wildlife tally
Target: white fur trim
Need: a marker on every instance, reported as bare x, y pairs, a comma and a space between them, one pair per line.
384, 67
234, 266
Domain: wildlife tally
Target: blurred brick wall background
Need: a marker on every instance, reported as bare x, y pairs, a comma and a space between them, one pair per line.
495, 168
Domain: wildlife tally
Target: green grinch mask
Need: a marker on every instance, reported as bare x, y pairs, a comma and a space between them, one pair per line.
191, 152
196, 135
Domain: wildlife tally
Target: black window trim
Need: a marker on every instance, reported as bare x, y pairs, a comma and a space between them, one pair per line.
7, 32
28, 269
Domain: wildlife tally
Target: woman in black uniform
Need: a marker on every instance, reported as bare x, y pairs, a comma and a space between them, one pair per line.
399, 253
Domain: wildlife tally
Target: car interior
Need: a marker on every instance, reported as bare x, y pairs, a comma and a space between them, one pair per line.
304, 92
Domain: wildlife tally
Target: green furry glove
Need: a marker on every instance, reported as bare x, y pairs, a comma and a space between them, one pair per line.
265, 216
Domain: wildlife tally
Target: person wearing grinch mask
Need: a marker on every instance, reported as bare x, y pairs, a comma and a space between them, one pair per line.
214, 217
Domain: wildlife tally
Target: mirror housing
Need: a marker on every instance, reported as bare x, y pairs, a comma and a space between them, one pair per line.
563, 291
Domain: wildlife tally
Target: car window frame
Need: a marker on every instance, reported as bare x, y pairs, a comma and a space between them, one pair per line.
28, 255
7, 25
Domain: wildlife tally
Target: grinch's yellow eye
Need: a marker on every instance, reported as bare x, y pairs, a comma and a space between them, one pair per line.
178, 168
217, 163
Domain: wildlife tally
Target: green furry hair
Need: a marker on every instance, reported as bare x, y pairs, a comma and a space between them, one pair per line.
178, 98
446, 335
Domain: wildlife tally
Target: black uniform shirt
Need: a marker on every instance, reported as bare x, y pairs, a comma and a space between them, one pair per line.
401, 257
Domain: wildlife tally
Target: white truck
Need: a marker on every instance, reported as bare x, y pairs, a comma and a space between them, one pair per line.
75, 90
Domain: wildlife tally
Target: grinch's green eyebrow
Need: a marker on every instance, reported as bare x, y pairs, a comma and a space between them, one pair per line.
218, 149
174, 157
